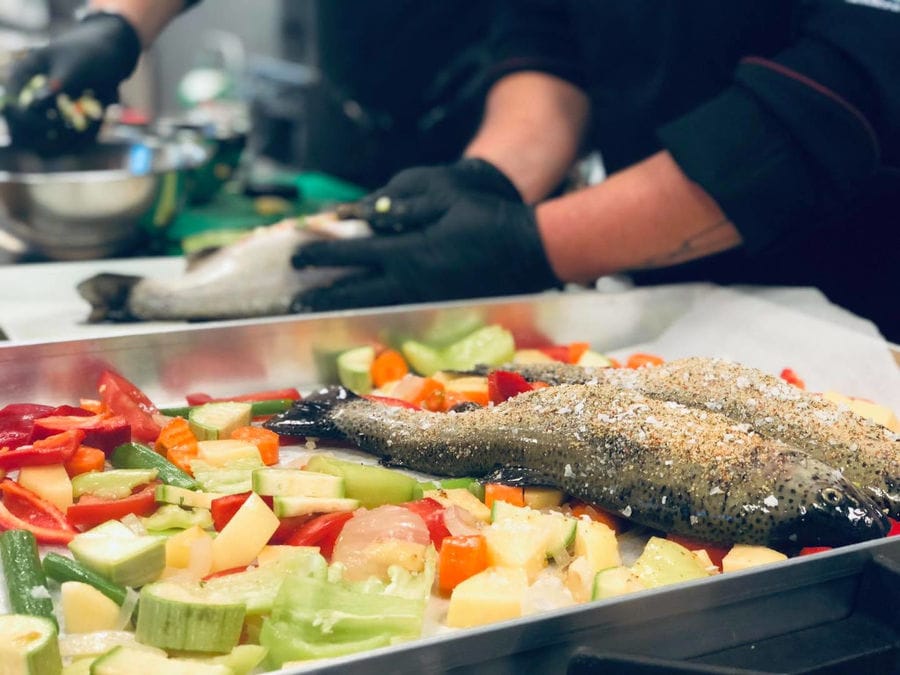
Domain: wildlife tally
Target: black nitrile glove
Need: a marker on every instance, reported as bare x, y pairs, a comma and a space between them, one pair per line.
421, 195
91, 58
482, 245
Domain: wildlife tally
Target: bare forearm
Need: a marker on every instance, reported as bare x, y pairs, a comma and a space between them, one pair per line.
532, 130
649, 215
148, 17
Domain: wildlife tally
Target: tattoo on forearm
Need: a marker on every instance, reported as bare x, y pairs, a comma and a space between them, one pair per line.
716, 238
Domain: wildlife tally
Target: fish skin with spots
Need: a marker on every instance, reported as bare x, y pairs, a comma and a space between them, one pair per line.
867, 453
665, 465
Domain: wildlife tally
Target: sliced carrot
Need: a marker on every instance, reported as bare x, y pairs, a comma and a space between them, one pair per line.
577, 350
388, 366
453, 398
84, 460
614, 363
640, 359
177, 432
424, 392
505, 493
181, 457
467, 389
614, 522
432, 395
460, 558
265, 440
791, 377
177, 443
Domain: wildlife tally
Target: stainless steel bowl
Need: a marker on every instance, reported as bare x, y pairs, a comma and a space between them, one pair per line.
103, 202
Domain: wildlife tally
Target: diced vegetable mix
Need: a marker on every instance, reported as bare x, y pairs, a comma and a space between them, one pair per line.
191, 514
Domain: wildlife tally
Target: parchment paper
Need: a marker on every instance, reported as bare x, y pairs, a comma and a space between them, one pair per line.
772, 329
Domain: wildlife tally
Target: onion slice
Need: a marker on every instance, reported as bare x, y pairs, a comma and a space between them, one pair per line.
362, 544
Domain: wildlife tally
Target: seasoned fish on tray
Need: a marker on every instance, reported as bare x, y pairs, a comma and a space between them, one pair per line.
659, 463
865, 452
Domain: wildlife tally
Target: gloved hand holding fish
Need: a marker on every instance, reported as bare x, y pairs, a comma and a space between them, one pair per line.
250, 278
441, 233
681, 448
446, 233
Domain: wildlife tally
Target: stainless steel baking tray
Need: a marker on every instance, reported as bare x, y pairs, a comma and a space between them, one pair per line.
776, 619
292, 351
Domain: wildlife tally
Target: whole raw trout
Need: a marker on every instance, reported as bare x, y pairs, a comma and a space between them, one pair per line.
867, 453
249, 278
660, 464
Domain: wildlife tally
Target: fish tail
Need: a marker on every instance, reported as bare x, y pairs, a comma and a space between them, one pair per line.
109, 296
313, 415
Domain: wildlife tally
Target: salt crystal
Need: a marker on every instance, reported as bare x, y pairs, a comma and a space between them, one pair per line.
40, 593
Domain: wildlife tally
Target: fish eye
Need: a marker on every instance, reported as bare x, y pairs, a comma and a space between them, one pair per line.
832, 495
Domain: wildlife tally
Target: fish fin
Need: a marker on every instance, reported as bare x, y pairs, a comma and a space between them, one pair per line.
312, 415
109, 295
518, 476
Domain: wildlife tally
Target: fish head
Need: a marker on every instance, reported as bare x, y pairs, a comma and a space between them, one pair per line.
834, 513
313, 415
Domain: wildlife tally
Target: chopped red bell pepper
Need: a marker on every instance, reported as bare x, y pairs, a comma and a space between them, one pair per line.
69, 410
287, 527
17, 422
199, 398
103, 431
90, 511
432, 512
21, 509
56, 449
223, 508
321, 531
895, 528
504, 384
809, 550
122, 397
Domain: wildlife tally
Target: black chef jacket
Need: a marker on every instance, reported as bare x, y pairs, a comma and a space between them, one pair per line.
787, 112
